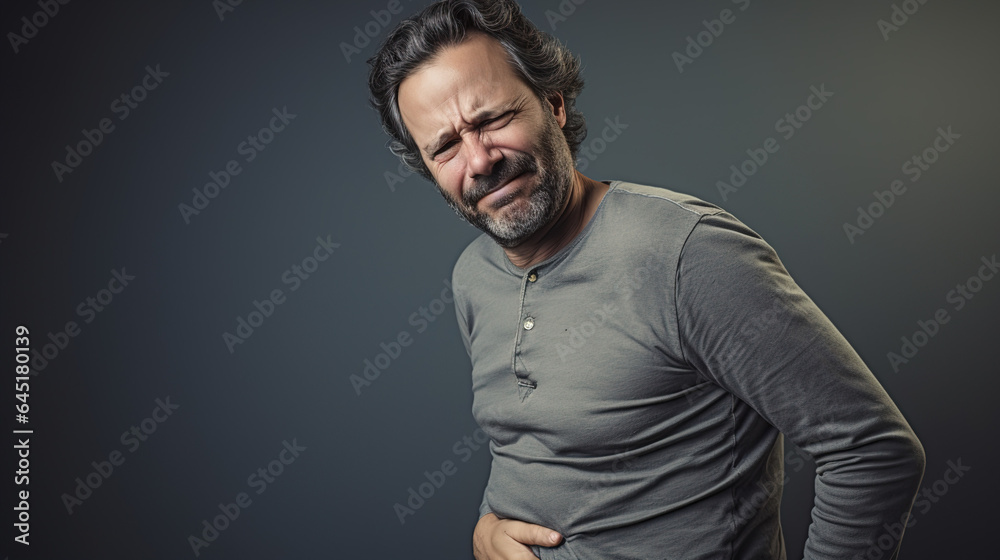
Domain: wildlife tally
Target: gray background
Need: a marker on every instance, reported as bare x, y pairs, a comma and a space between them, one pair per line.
324, 175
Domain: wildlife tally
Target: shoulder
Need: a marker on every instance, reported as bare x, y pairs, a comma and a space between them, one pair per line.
652, 218
648, 199
697, 236
706, 221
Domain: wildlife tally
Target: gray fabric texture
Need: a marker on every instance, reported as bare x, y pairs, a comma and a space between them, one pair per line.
641, 414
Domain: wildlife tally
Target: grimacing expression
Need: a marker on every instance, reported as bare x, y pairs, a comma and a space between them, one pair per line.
495, 149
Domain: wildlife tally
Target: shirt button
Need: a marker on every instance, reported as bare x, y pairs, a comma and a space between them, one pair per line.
532, 277
529, 323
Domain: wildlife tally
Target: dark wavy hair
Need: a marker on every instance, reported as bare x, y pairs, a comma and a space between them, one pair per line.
540, 59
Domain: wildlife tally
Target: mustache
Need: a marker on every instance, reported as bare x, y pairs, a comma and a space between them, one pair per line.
504, 170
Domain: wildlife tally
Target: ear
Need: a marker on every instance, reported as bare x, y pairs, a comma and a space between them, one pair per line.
558, 107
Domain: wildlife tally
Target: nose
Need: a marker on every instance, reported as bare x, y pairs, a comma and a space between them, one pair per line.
481, 154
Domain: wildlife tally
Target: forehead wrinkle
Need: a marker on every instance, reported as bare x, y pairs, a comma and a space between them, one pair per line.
475, 112
481, 70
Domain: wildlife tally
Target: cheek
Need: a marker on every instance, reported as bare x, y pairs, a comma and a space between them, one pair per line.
450, 177
514, 138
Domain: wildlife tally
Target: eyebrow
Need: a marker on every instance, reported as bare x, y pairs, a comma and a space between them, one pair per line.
477, 117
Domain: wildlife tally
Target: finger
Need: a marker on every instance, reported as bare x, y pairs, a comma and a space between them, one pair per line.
506, 548
527, 533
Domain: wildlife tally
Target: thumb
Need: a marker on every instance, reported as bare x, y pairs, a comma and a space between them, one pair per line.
526, 533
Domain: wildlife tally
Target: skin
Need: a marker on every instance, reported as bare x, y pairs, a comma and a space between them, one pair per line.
440, 104
470, 154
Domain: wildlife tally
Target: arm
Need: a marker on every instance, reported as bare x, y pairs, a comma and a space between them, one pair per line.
746, 325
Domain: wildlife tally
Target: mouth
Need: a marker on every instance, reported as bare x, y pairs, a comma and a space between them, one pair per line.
502, 190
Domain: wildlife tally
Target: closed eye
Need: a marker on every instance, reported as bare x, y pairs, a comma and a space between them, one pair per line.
505, 118
489, 124
447, 146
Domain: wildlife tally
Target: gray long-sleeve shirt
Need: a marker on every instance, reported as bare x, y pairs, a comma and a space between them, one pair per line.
636, 386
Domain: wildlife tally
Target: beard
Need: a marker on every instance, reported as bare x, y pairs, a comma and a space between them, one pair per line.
513, 221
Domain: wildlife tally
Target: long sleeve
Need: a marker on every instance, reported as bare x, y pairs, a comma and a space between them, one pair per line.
747, 326
463, 328
484, 507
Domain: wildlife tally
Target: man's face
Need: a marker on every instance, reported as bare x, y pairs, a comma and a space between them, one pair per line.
496, 152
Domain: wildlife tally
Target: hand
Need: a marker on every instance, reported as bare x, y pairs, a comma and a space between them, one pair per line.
507, 539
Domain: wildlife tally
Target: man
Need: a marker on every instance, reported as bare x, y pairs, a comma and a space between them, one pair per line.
636, 353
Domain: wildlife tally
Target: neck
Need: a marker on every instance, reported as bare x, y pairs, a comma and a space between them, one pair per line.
581, 203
